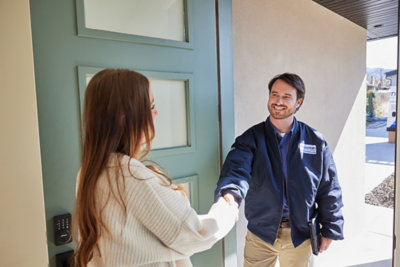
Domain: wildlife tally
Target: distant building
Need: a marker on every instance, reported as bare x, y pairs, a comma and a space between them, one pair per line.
391, 119
377, 80
392, 76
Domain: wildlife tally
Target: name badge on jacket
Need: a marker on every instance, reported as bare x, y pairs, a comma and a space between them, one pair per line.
308, 149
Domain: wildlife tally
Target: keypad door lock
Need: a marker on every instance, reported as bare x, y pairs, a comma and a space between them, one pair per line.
62, 229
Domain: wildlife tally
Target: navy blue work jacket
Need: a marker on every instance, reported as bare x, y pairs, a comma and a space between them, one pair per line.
253, 171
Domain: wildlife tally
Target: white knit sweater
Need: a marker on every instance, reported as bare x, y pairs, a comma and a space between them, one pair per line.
160, 228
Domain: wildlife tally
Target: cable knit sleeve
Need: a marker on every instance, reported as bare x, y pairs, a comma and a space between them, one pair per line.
168, 215
201, 232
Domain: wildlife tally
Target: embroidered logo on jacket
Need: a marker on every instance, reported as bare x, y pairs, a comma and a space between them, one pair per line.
308, 149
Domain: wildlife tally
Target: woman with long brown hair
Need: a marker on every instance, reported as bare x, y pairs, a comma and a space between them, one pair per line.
129, 214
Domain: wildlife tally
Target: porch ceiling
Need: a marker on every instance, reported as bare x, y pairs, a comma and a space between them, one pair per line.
378, 17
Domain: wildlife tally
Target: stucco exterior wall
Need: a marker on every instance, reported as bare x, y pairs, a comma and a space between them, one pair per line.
329, 53
22, 225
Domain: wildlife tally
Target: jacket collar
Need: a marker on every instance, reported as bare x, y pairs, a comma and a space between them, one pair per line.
271, 129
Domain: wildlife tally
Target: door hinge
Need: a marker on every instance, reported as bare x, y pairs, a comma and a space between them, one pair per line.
394, 241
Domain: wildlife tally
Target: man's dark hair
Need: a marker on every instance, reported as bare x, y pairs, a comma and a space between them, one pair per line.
293, 80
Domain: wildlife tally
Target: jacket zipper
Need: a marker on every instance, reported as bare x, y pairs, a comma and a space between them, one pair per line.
280, 159
287, 177
287, 190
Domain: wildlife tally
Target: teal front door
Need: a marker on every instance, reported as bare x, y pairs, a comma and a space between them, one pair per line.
72, 40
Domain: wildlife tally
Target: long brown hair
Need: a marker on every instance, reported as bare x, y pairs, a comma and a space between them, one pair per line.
116, 119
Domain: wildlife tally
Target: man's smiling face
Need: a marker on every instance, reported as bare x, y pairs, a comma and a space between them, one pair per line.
283, 100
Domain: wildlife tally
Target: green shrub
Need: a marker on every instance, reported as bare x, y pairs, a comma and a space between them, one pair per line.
371, 103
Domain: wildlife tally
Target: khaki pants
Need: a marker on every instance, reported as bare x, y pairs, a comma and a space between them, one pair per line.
258, 253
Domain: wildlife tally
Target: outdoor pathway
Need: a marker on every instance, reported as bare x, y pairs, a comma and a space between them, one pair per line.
379, 157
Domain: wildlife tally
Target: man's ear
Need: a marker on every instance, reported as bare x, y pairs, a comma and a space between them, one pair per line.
299, 101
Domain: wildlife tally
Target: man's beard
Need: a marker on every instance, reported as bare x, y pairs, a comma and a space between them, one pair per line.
287, 112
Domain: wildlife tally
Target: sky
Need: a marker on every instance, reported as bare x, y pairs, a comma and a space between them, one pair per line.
382, 53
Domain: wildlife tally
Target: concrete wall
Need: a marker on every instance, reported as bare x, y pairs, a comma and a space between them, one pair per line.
329, 53
22, 224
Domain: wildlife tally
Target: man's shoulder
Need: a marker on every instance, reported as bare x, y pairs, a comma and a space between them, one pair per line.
255, 130
306, 129
257, 127
252, 135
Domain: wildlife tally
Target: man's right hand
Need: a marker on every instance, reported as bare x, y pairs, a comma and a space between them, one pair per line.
231, 201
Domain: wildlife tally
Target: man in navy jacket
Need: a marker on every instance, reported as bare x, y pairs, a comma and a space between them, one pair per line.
285, 171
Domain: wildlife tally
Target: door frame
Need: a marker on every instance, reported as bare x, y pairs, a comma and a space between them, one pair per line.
226, 110
396, 217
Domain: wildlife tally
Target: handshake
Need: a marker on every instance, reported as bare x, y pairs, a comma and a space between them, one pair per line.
231, 201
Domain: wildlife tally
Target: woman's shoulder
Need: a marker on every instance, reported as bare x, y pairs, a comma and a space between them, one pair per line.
131, 167
146, 185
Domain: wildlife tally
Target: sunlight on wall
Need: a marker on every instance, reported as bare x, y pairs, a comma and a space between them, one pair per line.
347, 155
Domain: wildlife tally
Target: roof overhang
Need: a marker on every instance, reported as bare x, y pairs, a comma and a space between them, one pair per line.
379, 17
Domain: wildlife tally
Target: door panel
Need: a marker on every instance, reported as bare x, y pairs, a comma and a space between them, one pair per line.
117, 31
58, 51
160, 83
153, 18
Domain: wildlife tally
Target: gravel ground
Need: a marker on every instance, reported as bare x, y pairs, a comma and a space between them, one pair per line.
383, 194
375, 125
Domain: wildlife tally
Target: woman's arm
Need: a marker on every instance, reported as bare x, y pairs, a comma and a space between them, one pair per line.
201, 232
168, 215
